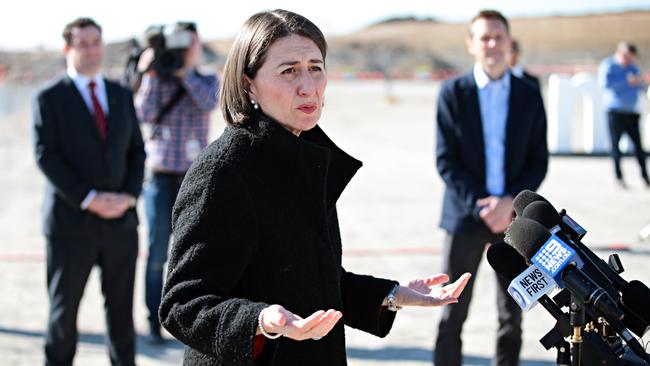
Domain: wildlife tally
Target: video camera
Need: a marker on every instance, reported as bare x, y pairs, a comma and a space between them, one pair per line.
169, 44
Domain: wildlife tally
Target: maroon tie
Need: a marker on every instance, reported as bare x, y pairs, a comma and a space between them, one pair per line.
100, 118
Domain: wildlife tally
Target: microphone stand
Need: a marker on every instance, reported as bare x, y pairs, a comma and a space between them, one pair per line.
577, 322
563, 357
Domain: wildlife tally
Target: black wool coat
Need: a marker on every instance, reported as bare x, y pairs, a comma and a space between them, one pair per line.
255, 224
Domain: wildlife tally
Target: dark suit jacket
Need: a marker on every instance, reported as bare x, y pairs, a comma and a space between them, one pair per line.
531, 79
255, 224
74, 160
460, 149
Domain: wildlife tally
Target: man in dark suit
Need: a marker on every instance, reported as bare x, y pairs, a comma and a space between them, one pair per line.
516, 68
491, 144
88, 145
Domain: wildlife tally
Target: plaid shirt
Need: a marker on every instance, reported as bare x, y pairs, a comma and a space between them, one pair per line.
183, 131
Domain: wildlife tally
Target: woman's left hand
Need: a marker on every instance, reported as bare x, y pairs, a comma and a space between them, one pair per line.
419, 292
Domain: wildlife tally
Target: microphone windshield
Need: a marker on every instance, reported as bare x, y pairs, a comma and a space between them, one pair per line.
527, 236
636, 296
543, 213
505, 260
523, 199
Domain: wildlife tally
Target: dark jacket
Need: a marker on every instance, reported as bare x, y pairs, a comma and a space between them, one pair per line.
74, 160
534, 80
255, 224
460, 150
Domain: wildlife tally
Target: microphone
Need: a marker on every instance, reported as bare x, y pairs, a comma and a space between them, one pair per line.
508, 264
545, 214
523, 199
526, 197
529, 286
585, 288
637, 295
526, 287
576, 232
505, 260
558, 260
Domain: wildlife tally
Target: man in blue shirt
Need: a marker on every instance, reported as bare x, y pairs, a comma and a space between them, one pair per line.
490, 145
516, 68
621, 81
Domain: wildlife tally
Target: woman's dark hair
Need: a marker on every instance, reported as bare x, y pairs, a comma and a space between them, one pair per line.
78, 23
248, 54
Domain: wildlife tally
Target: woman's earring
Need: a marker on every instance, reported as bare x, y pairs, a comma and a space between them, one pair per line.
255, 105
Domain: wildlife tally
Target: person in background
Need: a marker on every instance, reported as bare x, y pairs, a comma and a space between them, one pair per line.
88, 145
621, 80
490, 145
255, 273
516, 68
175, 107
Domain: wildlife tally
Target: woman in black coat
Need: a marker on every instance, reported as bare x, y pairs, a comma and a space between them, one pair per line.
255, 274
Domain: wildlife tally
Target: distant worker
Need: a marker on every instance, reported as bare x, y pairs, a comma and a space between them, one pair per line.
516, 68
621, 81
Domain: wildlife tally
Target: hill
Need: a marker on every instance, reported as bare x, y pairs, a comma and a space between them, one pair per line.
554, 41
401, 47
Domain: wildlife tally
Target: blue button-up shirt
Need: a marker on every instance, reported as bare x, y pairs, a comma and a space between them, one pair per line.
619, 94
493, 96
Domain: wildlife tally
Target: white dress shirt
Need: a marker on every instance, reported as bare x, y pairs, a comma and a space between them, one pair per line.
493, 96
82, 82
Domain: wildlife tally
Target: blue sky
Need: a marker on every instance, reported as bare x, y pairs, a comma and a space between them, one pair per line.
28, 24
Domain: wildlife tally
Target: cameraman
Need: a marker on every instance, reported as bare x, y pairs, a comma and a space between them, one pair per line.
175, 108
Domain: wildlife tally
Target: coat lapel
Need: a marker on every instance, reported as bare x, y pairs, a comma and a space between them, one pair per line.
111, 120
340, 167
515, 111
475, 122
75, 101
324, 167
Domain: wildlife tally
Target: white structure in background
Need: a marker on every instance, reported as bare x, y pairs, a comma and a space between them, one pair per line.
15, 98
577, 122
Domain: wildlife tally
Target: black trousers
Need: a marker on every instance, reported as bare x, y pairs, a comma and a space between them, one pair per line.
463, 253
623, 122
70, 259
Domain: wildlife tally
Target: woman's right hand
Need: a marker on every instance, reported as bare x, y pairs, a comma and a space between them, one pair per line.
277, 319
